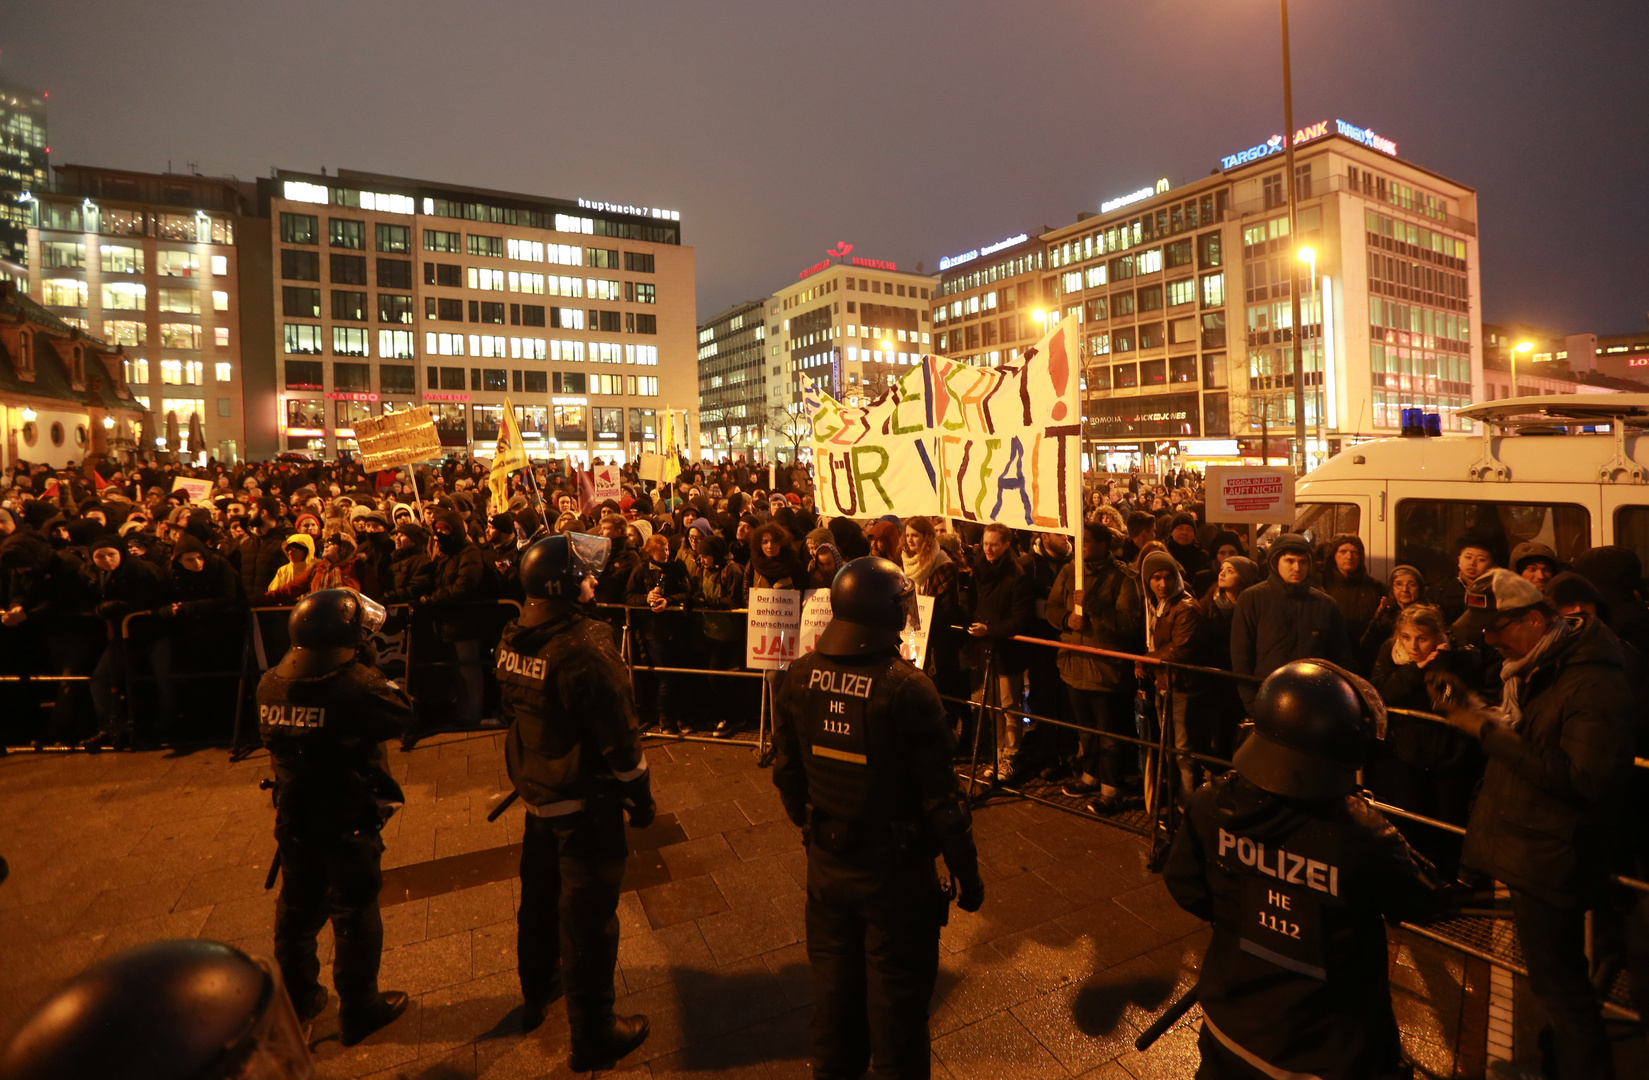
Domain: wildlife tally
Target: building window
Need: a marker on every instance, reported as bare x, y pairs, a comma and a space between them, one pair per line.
397, 379
452, 378
353, 378
446, 275
535, 382
348, 306
395, 344
1273, 191
567, 318
350, 341
438, 240
300, 265
300, 229
222, 372
303, 340
349, 269
443, 345
177, 264
394, 309
601, 258
179, 335
394, 238
444, 308
1213, 290
637, 262
303, 375
490, 247
641, 292
489, 379
394, 274
344, 233
220, 337
119, 259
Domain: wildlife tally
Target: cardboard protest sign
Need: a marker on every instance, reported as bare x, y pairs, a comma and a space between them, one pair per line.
913, 644
974, 443
815, 617
398, 438
1250, 493
774, 625
195, 491
606, 483
651, 467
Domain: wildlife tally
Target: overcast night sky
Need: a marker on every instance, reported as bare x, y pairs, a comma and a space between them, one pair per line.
911, 130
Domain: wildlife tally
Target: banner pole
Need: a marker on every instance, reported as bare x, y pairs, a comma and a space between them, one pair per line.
412, 478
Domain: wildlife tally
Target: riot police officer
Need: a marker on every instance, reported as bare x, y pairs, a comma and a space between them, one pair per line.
1298, 874
574, 757
168, 1010
324, 712
863, 764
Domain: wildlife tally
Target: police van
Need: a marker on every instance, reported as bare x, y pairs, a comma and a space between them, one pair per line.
1565, 471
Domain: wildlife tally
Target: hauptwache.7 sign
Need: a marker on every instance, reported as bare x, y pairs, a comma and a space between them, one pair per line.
971, 443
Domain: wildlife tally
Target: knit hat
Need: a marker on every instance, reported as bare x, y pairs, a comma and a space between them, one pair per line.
1160, 561
1524, 552
1569, 588
644, 527
1181, 518
821, 535
413, 531
1248, 571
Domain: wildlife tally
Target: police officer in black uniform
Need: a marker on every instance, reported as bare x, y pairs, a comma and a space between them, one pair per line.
1298, 874
863, 764
168, 1010
574, 756
324, 712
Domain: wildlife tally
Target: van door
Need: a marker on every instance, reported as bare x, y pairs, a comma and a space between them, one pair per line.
1625, 518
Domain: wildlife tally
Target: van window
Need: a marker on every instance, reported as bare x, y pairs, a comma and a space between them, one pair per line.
1323, 520
1632, 530
1427, 530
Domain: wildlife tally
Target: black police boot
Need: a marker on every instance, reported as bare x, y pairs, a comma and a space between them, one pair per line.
357, 1022
603, 1048
534, 1009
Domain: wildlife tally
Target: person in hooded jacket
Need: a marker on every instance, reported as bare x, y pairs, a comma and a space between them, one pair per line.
49, 607
1283, 619
1346, 580
1222, 705
120, 586
292, 579
1617, 573
1096, 686
656, 584
850, 539
375, 547
1545, 821
1174, 635
207, 603
717, 586
457, 580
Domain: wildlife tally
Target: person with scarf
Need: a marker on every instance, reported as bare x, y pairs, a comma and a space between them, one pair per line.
1096, 686
339, 568
1222, 705
822, 570
717, 587
659, 582
1173, 634
1405, 585
933, 572
773, 561
1545, 821
1346, 580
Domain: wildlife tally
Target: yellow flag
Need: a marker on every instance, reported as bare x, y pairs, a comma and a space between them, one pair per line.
672, 468
508, 456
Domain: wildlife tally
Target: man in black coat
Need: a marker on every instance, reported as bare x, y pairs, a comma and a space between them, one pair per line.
1559, 744
999, 595
1283, 619
262, 552
120, 586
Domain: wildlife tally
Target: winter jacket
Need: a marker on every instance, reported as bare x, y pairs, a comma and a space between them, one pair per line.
1543, 817
132, 586
1000, 596
1356, 594
1423, 743
1173, 628
1277, 623
214, 589
410, 575
713, 592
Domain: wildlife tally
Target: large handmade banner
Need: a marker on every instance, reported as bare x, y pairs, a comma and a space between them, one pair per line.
974, 443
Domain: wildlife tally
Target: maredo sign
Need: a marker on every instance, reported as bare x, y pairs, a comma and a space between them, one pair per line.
1250, 493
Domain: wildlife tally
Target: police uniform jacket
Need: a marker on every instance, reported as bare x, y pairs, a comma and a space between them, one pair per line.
865, 742
1296, 973
325, 735
573, 729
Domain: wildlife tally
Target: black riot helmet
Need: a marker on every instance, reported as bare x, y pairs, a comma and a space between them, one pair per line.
326, 627
872, 603
168, 1010
1314, 723
553, 569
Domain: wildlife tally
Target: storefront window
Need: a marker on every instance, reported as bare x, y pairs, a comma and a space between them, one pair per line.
487, 419
306, 414
571, 423
450, 423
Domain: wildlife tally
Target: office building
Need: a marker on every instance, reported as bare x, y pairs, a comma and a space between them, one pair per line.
850, 324
987, 302
150, 263
23, 167
1184, 296
733, 409
390, 292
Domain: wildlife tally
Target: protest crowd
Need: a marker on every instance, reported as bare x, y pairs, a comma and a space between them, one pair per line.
119, 580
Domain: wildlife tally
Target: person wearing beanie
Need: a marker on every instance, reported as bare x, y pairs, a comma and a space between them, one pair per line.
1173, 632
119, 586
816, 537
1284, 619
409, 565
339, 568
1182, 545
850, 539
1347, 581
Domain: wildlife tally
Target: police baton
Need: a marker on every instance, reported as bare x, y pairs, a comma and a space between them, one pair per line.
1166, 1020
498, 810
268, 785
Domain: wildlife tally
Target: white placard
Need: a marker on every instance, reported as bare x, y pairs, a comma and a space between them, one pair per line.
1250, 493
913, 645
815, 617
774, 628
195, 491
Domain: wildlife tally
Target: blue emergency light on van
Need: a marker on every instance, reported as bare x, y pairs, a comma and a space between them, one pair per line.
1419, 424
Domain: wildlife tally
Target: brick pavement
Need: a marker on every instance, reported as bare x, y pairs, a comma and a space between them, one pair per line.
1077, 948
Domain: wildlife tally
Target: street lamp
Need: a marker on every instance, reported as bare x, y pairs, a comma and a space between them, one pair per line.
1524, 347
1308, 255
28, 415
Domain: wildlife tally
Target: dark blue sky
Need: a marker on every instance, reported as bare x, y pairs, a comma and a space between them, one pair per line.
911, 130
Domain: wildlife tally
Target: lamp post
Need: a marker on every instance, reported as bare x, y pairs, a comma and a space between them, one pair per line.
1319, 396
1524, 347
1294, 232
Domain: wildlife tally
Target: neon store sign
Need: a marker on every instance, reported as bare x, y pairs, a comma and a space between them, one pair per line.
1277, 144
989, 249
1133, 197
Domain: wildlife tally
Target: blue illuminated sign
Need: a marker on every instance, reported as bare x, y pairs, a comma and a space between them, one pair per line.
1277, 144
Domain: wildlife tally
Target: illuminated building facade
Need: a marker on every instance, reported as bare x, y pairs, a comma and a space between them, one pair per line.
390, 292
733, 409
23, 167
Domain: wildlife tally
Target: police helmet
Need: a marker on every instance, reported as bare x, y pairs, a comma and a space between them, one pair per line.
326, 627
1314, 723
871, 605
553, 569
168, 1010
